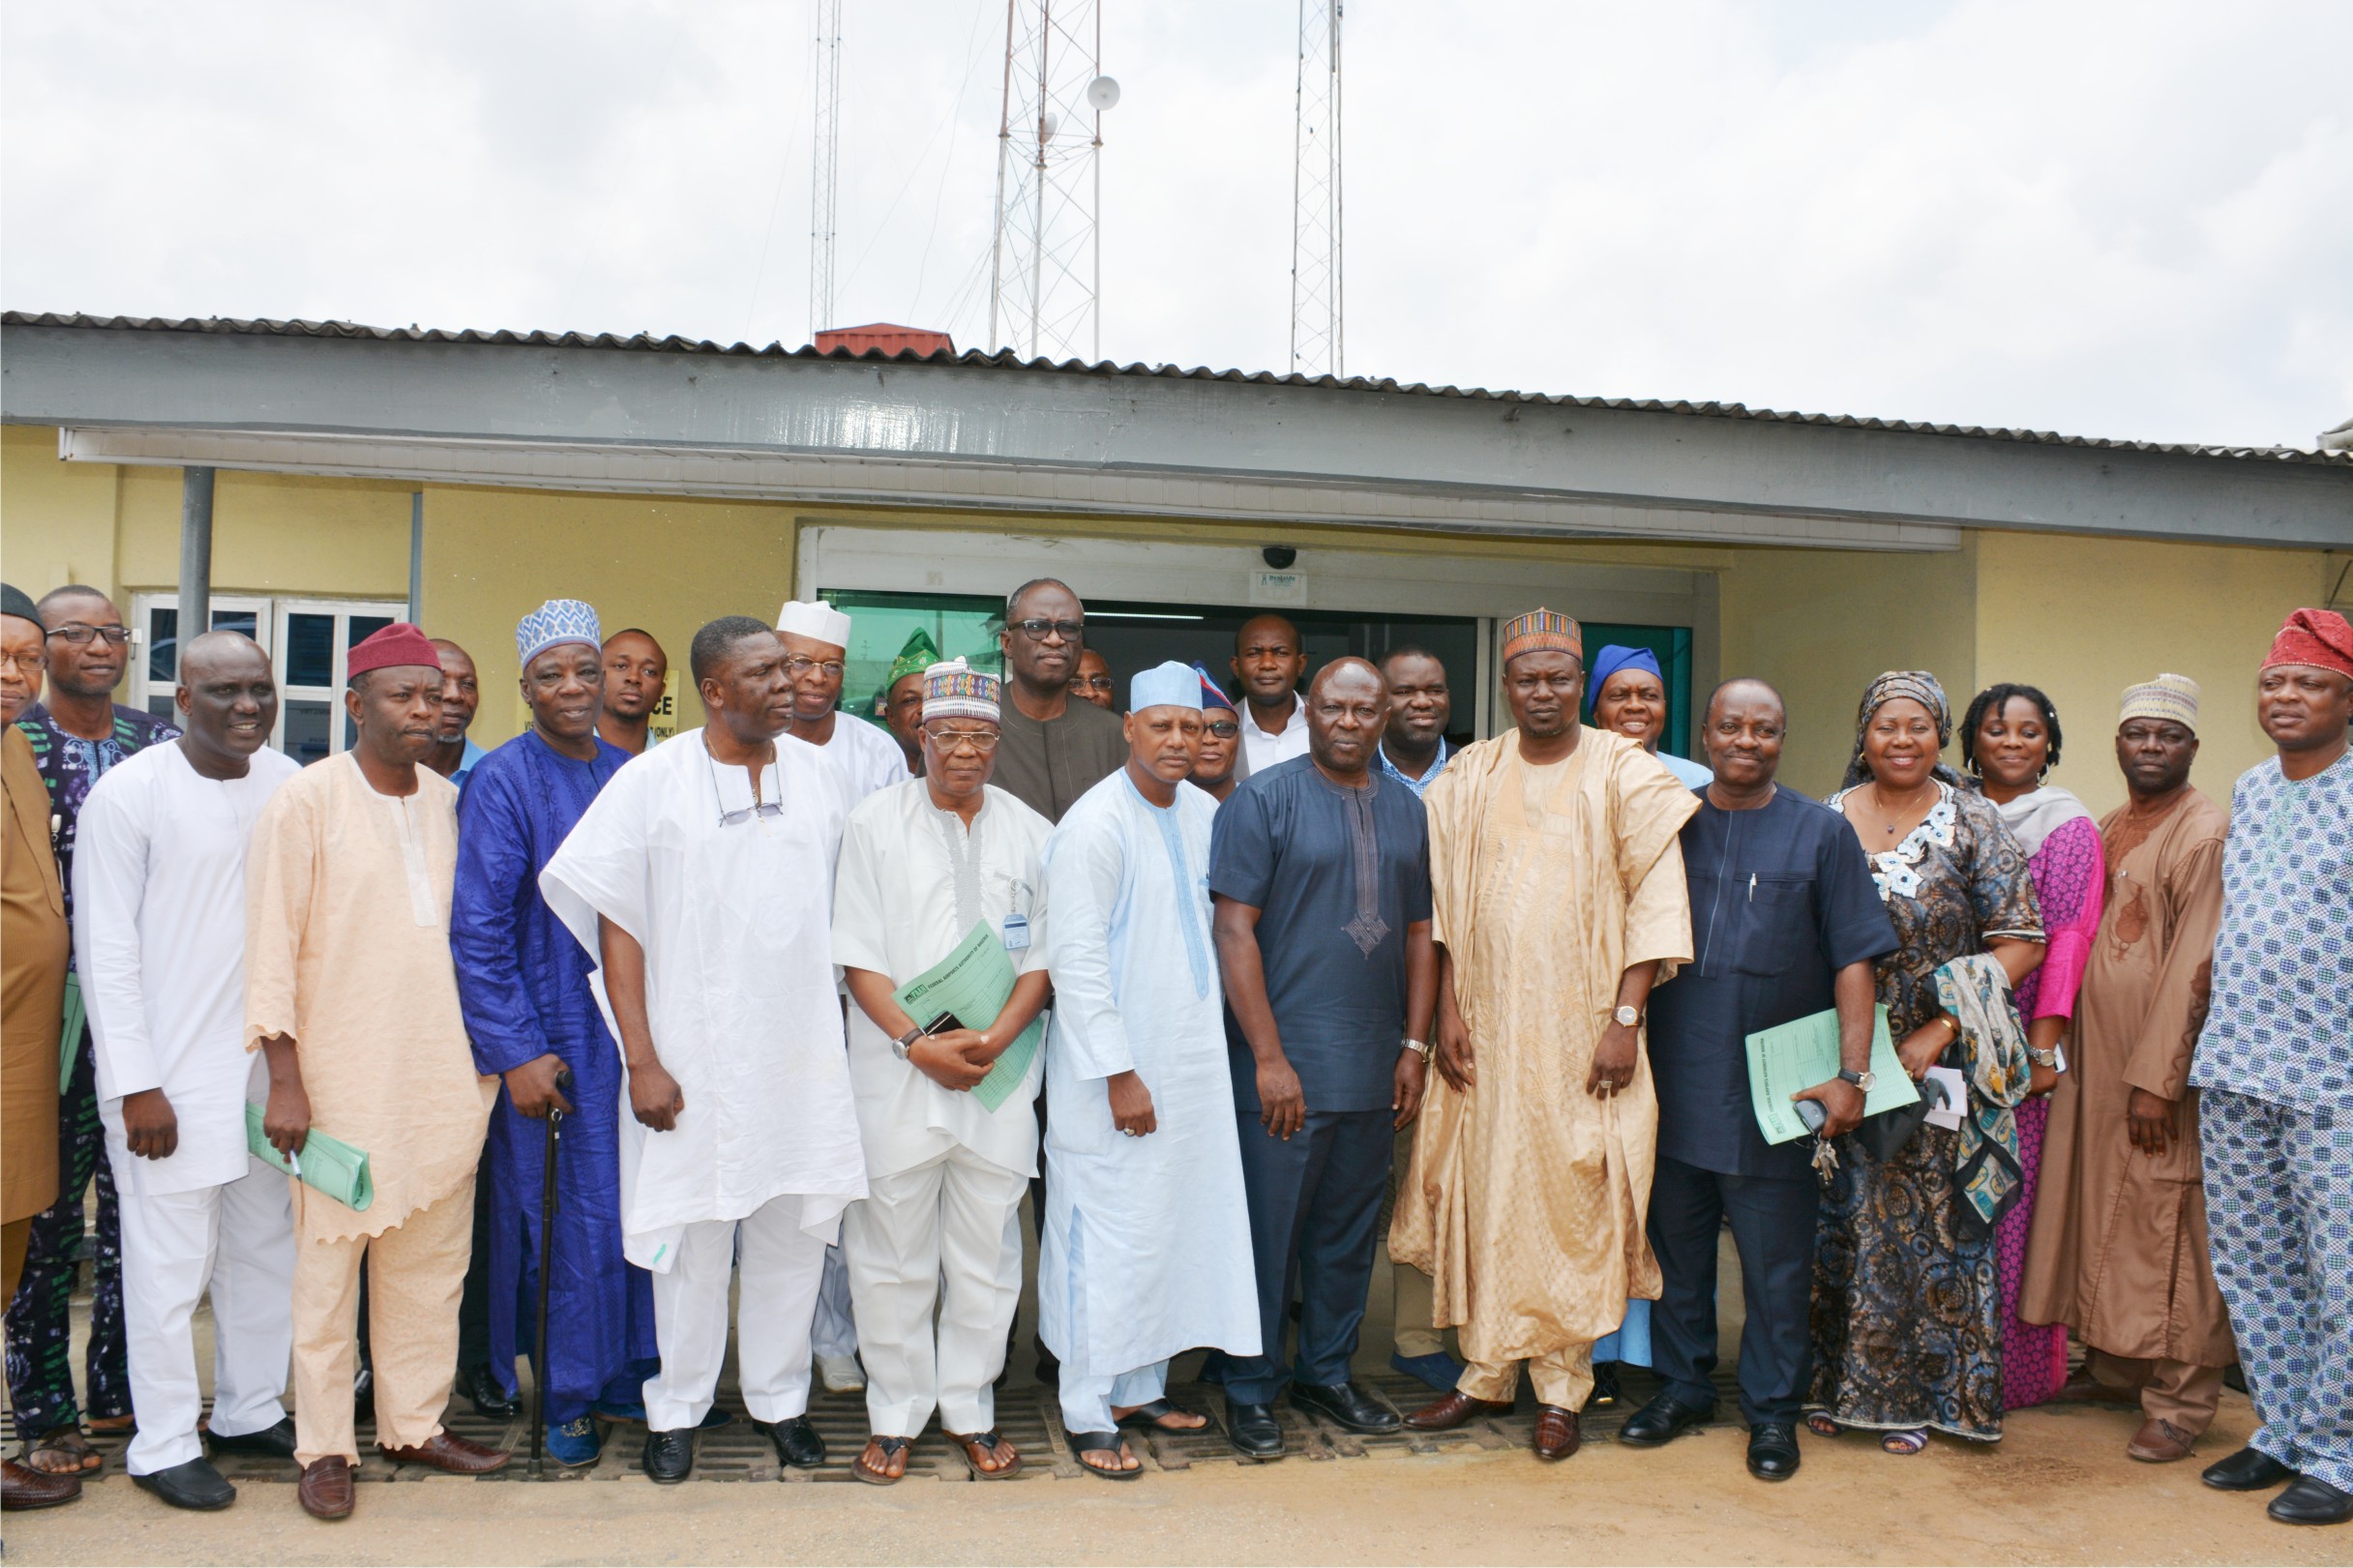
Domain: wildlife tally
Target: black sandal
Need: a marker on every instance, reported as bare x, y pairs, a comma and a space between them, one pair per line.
1103, 1442
1153, 1417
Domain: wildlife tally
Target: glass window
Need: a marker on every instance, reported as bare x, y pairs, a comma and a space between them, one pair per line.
961, 626
163, 642
309, 653
305, 728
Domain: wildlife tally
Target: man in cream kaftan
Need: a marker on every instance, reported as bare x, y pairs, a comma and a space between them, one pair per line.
726, 893
1529, 1188
1146, 1250
160, 902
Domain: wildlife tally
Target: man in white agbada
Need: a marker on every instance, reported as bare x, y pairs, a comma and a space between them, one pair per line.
817, 641
700, 879
924, 864
1146, 1250
159, 909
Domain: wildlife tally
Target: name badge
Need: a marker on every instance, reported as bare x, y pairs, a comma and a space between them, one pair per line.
1017, 932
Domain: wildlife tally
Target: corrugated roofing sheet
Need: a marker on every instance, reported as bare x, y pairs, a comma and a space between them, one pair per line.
646, 343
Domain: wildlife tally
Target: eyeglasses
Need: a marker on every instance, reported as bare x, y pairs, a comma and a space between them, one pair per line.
1035, 631
1091, 683
29, 663
75, 632
1224, 729
983, 741
800, 664
745, 814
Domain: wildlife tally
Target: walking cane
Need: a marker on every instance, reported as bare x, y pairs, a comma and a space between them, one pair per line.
547, 1256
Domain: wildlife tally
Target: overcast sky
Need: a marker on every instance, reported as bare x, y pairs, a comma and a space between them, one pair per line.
2107, 220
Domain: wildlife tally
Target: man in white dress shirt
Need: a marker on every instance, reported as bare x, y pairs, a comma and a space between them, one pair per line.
159, 914
701, 880
948, 1151
1146, 1246
1268, 660
817, 641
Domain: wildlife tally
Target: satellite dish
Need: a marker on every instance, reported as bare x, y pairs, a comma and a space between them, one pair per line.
1103, 93
1047, 124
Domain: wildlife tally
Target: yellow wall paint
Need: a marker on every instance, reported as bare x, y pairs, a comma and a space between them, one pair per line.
2083, 617
56, 518
666, 565
1819, 624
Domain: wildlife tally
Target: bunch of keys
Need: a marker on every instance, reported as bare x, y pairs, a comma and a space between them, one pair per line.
1826, 1157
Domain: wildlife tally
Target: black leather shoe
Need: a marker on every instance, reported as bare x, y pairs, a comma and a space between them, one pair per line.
271, 1443
796, 1441
2310, 1500
2249, 1469
490, 1402
670, 1456
1253, 1430
1346, 1404
191, 1484
1772, 1450
1606, 1390
1661, 1421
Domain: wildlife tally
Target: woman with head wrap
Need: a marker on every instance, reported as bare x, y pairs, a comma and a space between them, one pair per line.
2010, 742
1907, 1290
1629, 695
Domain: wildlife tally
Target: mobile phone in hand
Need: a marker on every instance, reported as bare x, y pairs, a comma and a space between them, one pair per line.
1810, 1113
943, 1024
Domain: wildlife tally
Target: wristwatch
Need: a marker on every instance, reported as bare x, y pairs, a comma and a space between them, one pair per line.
1419, 1048
2042, 1058
1867, 1080
1628, 1016
899, 1048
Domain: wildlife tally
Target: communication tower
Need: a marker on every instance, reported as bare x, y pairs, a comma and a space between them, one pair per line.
828, 158
1045, 273
1316, 341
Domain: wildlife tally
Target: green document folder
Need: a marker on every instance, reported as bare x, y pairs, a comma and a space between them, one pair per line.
974, 982
326, 1164
1802, 1053
69, 1037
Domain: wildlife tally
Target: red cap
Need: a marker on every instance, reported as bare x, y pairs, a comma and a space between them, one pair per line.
399, 644
2320, 637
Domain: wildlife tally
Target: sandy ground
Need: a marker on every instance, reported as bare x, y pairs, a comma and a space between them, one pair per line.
2058, 1489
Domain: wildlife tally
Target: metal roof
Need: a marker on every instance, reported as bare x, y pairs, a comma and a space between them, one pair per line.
1006, 360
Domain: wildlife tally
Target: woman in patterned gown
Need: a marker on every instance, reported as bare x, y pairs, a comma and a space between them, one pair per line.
1907, 1293
2010, 742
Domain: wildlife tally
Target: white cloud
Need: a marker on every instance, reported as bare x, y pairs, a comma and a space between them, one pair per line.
2108, 220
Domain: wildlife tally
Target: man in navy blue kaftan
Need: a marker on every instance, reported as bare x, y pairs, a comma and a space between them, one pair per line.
523, 982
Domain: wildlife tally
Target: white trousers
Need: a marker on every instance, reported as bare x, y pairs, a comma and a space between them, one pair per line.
1088, 1397
835, 1330
782, 1264
943, 1239
238, 1241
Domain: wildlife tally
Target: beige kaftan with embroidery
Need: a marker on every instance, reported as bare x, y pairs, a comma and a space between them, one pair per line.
1527, 1196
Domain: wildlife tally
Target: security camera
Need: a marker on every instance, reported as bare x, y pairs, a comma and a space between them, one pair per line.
1279, 556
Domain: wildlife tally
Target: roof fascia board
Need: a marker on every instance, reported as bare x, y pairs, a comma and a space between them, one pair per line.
1217, 430
1030, 490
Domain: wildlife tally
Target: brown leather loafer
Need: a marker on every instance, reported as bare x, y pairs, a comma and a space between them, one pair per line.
2159, 1442
1557, 1434
447, 1451
326, 1488
23, 1487
1452, 1411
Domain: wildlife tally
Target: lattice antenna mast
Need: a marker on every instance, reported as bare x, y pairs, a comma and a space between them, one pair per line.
1317, 345
827, 96
1046, 275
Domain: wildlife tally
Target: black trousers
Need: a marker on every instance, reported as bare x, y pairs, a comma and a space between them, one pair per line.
1315, 1210
1772, 1228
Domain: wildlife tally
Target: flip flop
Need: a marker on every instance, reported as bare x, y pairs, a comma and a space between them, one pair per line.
1904, 1444
70, 1443
891, 1448
973, 1444
1821, 1424
1153, 1417
1102, 1442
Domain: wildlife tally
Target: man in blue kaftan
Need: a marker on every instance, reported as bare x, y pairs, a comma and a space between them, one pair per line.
523, 982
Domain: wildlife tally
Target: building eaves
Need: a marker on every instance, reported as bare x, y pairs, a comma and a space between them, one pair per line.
1007, 360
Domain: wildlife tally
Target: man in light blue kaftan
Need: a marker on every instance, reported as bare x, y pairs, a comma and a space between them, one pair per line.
523, 982
1146, 1250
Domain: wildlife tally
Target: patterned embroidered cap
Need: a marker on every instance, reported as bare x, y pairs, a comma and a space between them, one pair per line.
813, 620
553, 624
2320, 637
919, 654
1539, 630
955, 690
2168, 696
1212, 695
1166, 685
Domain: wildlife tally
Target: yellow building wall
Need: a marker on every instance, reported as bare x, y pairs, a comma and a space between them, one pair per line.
2084, 617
